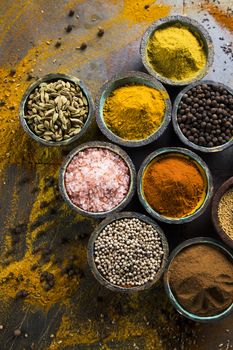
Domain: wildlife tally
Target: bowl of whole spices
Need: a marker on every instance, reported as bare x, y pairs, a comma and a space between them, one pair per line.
203, 116
127, 252
199, 279
177, 50
56, 110
97, 178
133, 109
222, 211
174, 185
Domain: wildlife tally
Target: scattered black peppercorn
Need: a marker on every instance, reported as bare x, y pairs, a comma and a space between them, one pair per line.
57, 44
146, 7
29, 76
205, 115
71, 13
100, 32
69, 28
12, 72
2, 103
21, 294
83, 46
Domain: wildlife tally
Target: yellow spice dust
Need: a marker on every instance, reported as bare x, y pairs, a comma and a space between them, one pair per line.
176, 53
134, 112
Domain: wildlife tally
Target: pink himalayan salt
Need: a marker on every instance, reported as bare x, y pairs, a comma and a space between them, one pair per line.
97, 180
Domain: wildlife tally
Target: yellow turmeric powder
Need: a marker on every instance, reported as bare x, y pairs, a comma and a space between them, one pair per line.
134, 112
176, 53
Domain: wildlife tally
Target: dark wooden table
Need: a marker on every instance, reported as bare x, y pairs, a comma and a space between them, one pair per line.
78, 313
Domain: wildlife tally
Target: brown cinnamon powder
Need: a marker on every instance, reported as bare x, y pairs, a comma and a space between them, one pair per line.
201, 278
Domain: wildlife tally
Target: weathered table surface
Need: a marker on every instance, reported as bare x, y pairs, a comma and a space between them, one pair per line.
78, 313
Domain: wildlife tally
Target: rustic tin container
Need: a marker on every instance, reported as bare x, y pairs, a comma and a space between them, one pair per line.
49, 78
186, 153
113, 148
128, 79
171, 296
90, 252
196, 28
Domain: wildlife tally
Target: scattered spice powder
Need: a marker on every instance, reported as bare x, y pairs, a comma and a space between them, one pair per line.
174, 186
176, 53
134, 112
97, 179
225, 212
201, 277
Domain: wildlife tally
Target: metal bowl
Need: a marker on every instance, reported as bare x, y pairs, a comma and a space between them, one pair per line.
177, 127
187, 154
127, 79
113, 148
215, 203
171, 296
50, 78
90, 252
196, 28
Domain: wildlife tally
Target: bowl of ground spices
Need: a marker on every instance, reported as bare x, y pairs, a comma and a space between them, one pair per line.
177, 50
97, 178
127, 252
56, 110
222, 211
203, 116
133, 109
174, 185
199, 279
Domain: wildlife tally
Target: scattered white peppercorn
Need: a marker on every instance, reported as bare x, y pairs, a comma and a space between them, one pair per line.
128, 252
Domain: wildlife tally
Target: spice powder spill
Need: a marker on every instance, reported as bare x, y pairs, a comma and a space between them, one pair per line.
97, 180
176, 53
134, 112
225, 212
128, 252
174, 186
201, 277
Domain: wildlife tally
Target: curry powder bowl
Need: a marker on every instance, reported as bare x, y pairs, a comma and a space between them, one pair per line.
99, 229
51, 78
215, 203
176, 126
196, 29
131, 78
114, 149
187, 154
173, 300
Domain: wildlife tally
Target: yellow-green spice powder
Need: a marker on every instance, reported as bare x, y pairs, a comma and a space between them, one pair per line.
176, 53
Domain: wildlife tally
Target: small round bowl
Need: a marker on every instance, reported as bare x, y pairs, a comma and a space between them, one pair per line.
113, 148
187, 154
215, 203
127, 79
196, 28
51, 78
177, 127
90, 252
171, 296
